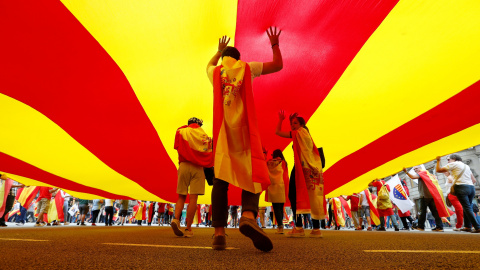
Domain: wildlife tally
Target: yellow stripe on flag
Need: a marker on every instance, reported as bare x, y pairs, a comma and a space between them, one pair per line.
164, 60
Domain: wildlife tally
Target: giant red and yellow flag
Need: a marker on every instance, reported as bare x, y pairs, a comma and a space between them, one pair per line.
92, 92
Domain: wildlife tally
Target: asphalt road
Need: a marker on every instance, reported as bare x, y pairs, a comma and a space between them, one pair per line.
143, 247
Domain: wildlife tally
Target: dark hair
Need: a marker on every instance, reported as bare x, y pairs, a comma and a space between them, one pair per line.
232, 52
195, 120
456, 157
278, 153
300, 119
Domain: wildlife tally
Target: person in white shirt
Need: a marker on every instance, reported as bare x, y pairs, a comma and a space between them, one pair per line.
463, 188
364, 211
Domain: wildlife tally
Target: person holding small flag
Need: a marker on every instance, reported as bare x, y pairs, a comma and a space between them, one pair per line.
384, 204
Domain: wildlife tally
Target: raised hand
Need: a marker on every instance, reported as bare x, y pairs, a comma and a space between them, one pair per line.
273, 35
222, 43
281, 115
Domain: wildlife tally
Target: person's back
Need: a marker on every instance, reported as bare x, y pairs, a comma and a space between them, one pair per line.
237, 138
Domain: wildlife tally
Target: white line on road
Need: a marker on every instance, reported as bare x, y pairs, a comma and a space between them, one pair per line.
161, 246
424, 251
29, 240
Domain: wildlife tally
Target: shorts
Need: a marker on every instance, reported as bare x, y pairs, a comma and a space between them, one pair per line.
42, 206
190, 175
364, 211
83, 208
123, 213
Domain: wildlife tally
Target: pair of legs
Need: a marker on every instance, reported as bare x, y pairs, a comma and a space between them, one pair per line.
8, 207
191, 208
392, 217
95, 216
41, 209
278, 212
292, 196
424, 203
465, 194
405, 223
108, 215
364, 211
220, 205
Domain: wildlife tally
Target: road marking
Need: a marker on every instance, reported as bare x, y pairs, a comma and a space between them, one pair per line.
161, 246
425, 251
29, 240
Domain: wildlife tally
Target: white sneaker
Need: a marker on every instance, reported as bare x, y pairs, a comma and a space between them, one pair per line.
188, 233
20, 224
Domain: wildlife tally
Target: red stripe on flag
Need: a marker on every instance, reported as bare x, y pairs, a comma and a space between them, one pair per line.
319, 40
409, 137
52, 63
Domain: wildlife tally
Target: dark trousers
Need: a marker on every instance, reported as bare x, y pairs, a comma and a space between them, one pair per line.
405, 223
108, 215
8, 207
278, 211
23, 215
465, 194
95, 215
220, 203
424, 203
292, 196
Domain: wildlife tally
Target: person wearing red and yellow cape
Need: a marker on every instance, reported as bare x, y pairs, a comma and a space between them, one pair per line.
308, 186
384, 204
431, 196
151, 212
277, 192
195, 153
140, 212
237, 146
55, 209
338, 213
7, 197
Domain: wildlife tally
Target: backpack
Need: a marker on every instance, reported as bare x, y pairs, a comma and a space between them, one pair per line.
383, 193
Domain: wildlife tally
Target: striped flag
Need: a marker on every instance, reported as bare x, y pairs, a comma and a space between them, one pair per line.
26, 195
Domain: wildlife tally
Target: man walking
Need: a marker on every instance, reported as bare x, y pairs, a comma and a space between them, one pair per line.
194, 149
238, 153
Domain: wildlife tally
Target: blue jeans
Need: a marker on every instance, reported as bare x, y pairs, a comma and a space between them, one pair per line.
23, 215
465, 194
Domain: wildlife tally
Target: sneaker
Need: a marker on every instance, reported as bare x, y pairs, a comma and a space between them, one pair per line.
405, 229
250, 229
48, 224
20, 224
381, 229
464, 229
369, 229
83, 224
39, 225
316, 233
219, 242
456, 229
418, 229
476, 230
176, 227
66, 223
437, 229
279, 231
296, 232
397, 229
358, 229
188, 233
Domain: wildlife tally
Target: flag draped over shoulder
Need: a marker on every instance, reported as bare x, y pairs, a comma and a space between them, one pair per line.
193, 145
398, 195
431, 182
374, 216
5, 186
239, 158
346, 206
308, 175
277, 192
140, 211
338, 212
55, 208
26, 195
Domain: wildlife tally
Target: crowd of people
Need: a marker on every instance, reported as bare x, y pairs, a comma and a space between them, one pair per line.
235, 156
